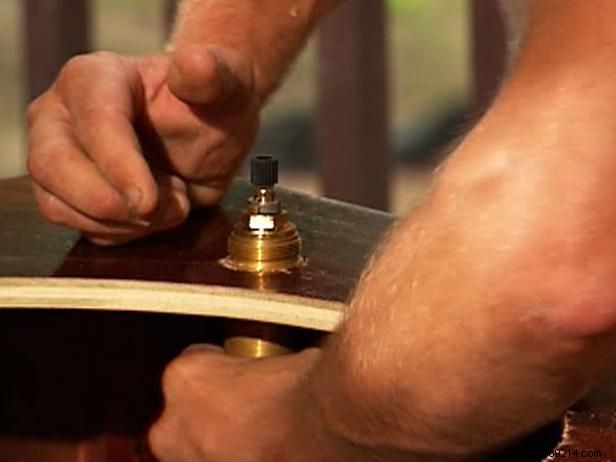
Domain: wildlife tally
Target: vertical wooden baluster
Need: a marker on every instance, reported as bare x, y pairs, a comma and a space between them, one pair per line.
488, 51
169, 11
352, 117
54, 30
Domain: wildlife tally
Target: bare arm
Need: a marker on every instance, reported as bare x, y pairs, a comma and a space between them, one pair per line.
121, 147
491, 308
271, 32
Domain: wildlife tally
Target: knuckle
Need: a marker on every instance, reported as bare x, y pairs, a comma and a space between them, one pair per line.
163, 439
40, 163
159, 439
73, 71
33, 110
83, 67
80, 66
173, 373
177, 375
75, 67
51, 210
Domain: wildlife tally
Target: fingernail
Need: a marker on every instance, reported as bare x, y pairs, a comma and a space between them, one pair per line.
133, 197
139, 222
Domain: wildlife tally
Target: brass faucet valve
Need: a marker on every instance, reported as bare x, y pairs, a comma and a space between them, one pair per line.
264, 240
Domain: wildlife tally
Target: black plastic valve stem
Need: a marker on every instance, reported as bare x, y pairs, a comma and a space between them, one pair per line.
263, 171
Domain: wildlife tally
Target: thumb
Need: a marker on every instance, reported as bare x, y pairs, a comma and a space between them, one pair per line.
201, 75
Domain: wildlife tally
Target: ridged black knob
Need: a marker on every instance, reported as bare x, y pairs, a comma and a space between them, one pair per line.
263, 171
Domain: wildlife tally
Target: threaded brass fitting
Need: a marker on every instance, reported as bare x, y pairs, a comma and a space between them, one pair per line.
264, 240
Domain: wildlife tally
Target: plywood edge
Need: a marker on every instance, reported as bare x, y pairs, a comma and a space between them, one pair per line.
170, 298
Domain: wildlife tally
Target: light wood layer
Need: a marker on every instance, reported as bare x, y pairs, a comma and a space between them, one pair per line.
169, 298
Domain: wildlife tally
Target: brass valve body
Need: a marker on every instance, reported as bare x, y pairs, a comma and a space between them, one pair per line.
264, 250
264, 240
253, 348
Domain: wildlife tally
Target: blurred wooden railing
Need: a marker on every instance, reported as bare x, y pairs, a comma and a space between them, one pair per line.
352, 116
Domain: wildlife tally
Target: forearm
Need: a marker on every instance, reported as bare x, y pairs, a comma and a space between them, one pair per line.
469, 327
271, 32
555, 37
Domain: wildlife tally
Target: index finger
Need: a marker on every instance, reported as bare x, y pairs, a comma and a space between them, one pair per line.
103, 95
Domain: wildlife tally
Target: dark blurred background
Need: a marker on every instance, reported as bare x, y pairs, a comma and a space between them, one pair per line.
368, 110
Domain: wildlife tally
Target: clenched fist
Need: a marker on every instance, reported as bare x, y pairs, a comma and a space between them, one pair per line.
122, 147
226, 409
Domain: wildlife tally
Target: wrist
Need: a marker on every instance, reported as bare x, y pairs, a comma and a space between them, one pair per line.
309, 428
355, 428
268, 33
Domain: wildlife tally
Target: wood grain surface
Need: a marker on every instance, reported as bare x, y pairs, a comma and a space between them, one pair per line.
82, 385
85, 331
337, 239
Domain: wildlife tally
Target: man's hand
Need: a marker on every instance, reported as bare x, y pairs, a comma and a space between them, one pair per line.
231, 410
123, 147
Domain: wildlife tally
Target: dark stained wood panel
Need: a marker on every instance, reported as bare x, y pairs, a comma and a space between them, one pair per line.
83, 386
169, 11
337, 240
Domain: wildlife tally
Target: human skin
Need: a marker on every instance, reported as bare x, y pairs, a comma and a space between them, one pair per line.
486, 313
121, 147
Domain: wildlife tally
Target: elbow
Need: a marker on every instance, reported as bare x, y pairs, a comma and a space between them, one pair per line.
567, 279
580, 301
